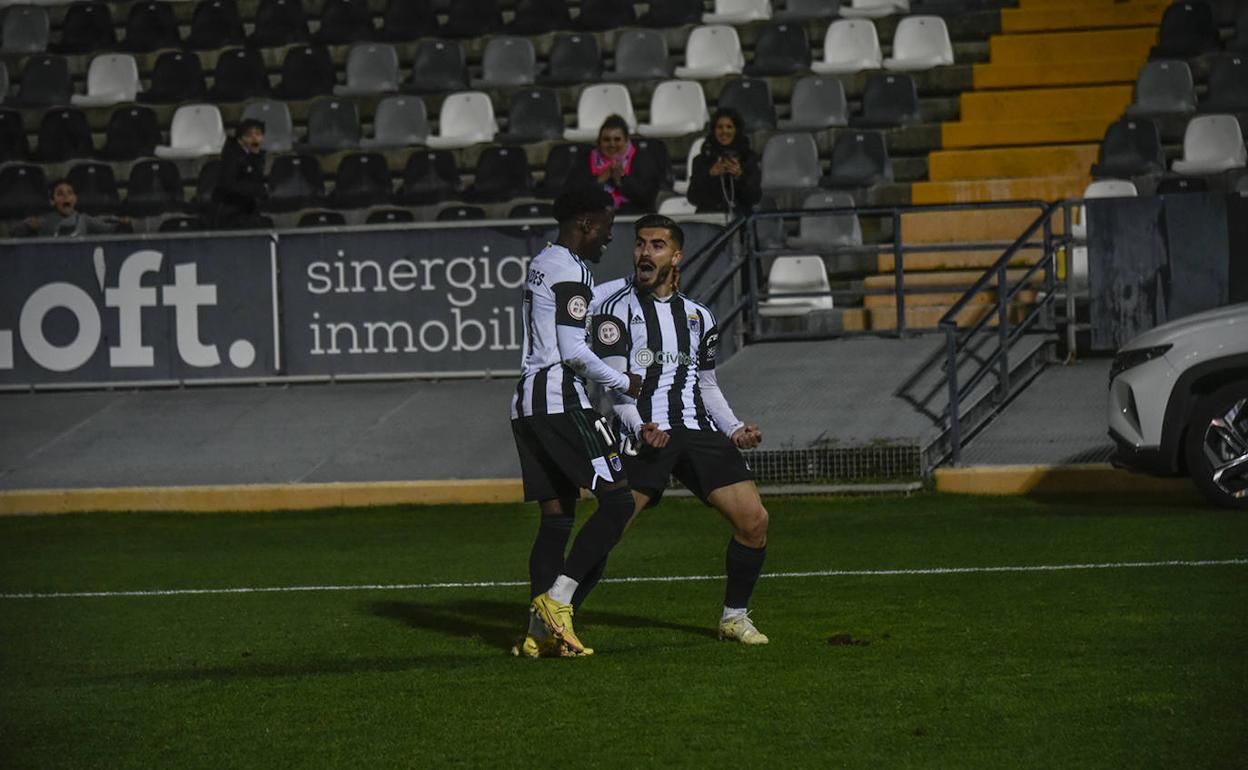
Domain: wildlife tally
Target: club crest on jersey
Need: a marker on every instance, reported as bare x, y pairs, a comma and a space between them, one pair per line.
578, 308
694, 323
608, 333
616, 464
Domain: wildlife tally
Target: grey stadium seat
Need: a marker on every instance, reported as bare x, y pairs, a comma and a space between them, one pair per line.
535, 115
790, 161
400, 121
1164, 87
507, 61
641, 54
26, 29
372, 68
818, 102
816, 231
860, 159
279, 131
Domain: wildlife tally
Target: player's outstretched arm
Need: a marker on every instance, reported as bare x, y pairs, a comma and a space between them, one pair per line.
745, 436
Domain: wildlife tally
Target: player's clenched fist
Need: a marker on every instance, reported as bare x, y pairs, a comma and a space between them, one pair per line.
634, 385
747, 436
652, 436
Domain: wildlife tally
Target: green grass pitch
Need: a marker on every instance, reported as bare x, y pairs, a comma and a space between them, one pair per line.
1130, 666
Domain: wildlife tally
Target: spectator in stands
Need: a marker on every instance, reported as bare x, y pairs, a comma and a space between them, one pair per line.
726, 175
240, 180
65, 220
625, 171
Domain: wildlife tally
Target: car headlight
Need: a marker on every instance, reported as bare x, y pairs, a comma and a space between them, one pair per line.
1129, 359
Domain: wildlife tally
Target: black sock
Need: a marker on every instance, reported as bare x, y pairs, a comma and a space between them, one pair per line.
600, 533
744, 564
546, 558
587, 584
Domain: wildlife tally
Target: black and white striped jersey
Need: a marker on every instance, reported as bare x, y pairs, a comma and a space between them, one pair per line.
556, 357
671, 343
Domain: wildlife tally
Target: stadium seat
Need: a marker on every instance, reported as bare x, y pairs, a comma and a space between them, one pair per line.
23, 191
239, 75
1187, 29
507, 61
780, 49
1228, 84
472, 18
849, 46
659, 155
1131, 147
279, 129
439, 65
95, 187
206, 184
333, 124
372, 68
796, 275
752, 100
535, 210
176, 76
1164, 88
295, 182
344, 22
673, 13
594, 105
859, 159
64, 134
641, 54
400, 121
406, 20
889, 99
279, 23
197, 130
154, 187
389, 217
461, 214
4, 82
13, 144
1241, 186
111, 79
818, 231
502, 173
560, 162
790, 161
681, 104
574, 58
132, 132
322, 219
1175, 185
150, 26
712, 52
182, 225
1239, 43
86, 27
535, 115
920, 43
679, 206
535, 17
45, 81
307, 72
738, 12
26, 30
362, 180
807, 10
817, 103
215, 24
874, 9
602, 15
682, 185
467, 118
1101, 188
429, 176
1211, 144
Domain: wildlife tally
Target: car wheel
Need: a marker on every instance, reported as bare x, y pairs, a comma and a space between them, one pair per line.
1217, 446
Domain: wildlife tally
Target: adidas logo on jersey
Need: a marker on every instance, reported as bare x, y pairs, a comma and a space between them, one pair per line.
636, 319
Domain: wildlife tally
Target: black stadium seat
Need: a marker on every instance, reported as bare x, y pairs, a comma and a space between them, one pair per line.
322, 219
150, 26
345, 21
560, 161
307, 71
674, 13
601, 15
13, 144
86, 27
752, 100
154, 187
333, 124
859, 159
1131, 147
205, 184
1228, 84
472, 18
183, 225
461, 214
278, 23
535, 115
439, 65
389, 217
405, 20
45, 81
533, 17
132, 132
660, 156
96, 187
1187, 29
239, 75
23, 191
574, 58
889, 99
780, 49
362, 180
295, 182
430, 176
64, 134
215, 24
177, 76
535, 210
502, 174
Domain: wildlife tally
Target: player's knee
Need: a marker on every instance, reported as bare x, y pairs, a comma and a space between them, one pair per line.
752, 529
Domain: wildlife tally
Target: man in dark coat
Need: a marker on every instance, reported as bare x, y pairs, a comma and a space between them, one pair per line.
240, 180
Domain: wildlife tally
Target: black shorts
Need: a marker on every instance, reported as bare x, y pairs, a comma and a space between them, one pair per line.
561, 454
702, 460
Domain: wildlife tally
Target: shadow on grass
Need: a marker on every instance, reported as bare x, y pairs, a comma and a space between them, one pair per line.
499, 624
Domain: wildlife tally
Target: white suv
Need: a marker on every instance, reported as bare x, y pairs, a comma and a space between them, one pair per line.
1178, 402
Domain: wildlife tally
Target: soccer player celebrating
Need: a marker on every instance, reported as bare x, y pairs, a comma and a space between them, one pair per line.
563, 444
645, 326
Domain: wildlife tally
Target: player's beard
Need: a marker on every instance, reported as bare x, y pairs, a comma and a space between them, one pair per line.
660, 276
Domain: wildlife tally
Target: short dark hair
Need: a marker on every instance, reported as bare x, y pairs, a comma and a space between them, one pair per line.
614, 121
579, 200
247, 124
55, 183
658, 220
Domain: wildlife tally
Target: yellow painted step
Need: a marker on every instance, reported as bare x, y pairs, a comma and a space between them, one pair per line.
1071, 46
937, 299
1045, 103
1057, 73
1047, 19
1011, 162
1021, 133
958, 260
928, 317
955, 278
1049, 188
1037, 5
854, 319
970, 226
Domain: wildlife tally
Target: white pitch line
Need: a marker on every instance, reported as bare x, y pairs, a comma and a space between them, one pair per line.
641, 579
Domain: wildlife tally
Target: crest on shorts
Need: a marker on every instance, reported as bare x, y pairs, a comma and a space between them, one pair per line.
608, 332
616, 464
577, 308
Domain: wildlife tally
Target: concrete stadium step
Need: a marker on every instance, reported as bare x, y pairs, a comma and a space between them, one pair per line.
1067, 46
1011, 162
940, 299
1048, 188
835, 321
1093, 71
928, 316
996, 225
1030, 104
1048, 18
957, 260
963, 135
961, 279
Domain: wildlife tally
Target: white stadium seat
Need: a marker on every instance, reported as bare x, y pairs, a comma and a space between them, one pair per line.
738, 12
712, 52
197, 130
792, 275
682, 106
849, 45
596, 103
677, 206
1077, 274
875, 9
467, 118
682, 185
920, 43
111, 79
1211, 144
